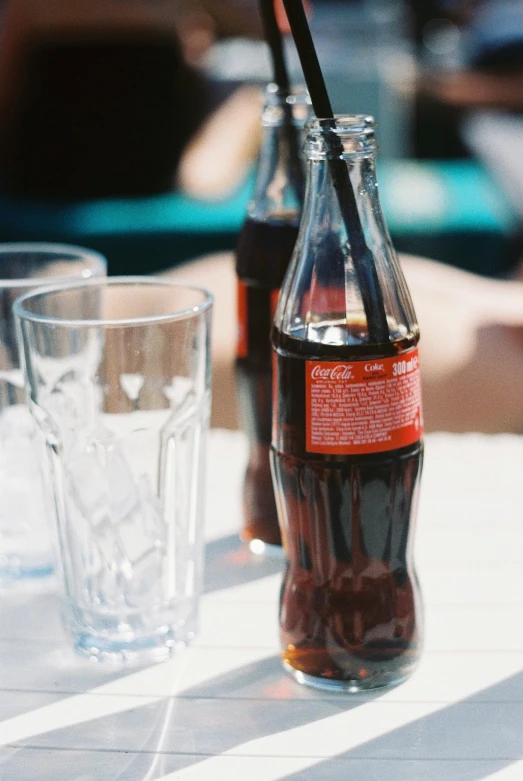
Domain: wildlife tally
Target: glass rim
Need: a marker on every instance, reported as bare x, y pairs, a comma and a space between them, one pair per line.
71, 322
77, 252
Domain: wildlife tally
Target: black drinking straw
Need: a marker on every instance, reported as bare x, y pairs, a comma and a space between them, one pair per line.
362, 257
275, 42
281, 78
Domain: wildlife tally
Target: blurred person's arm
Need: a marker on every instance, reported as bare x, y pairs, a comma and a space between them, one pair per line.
219, 156
479, 89
471, 344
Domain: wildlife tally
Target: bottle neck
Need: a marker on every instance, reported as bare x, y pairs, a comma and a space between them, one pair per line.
345, 285
342, 187
276, 191
280, 181
322, 204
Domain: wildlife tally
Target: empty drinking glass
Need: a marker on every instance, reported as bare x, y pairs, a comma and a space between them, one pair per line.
26, 528
118, 376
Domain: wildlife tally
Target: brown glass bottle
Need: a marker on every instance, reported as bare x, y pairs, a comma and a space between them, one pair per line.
264, 249
346, 450
263, 254
349, 609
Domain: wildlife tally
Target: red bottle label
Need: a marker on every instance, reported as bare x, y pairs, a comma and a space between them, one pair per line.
363, 406
242, 347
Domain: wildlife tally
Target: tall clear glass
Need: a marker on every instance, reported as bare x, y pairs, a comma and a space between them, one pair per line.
118, 378
26, 518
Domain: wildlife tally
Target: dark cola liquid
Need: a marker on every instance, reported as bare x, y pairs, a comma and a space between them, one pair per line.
350, 606
263, 254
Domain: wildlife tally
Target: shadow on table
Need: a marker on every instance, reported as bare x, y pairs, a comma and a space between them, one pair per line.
156, 738
46, 662
229, 562
466, 741
225, 712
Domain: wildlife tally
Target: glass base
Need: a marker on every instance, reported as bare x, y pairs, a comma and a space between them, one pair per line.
140, 650
355, 686
142, 637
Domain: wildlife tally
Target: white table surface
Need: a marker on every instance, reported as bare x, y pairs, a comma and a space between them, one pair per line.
225, 710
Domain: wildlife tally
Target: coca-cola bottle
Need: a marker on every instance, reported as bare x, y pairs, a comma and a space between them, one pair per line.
264, 250
346, 446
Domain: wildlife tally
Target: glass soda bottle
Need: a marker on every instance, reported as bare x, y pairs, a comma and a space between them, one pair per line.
346, 447
263, 253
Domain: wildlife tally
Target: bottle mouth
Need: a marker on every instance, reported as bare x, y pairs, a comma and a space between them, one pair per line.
277, 102
360, 124
344, 136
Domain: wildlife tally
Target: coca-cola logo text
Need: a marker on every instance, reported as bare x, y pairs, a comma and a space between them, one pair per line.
340, 371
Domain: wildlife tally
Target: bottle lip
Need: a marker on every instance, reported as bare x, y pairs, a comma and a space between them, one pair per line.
297, 98
344, 124
346, 136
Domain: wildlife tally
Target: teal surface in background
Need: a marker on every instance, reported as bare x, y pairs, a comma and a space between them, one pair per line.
450, 211
458, 195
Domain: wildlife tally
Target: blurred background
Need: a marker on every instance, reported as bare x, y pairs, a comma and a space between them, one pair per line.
132, 126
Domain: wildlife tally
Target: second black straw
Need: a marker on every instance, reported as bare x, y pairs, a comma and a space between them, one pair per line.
281, 78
